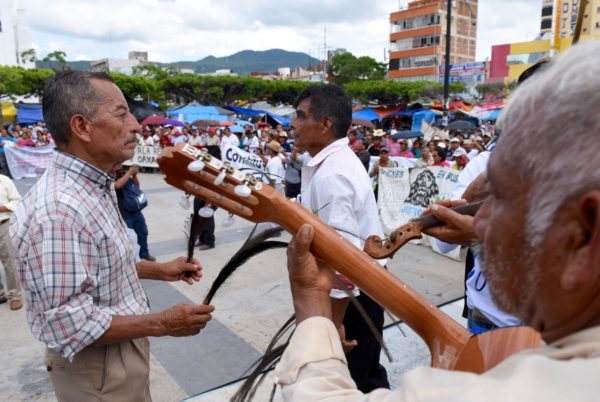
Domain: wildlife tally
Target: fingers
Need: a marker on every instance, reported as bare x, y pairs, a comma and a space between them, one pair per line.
186, 319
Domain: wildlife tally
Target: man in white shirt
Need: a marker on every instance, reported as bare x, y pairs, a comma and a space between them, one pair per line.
336, 187
541, 245
9, 199
228, 140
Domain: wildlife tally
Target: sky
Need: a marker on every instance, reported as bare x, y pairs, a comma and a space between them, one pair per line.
174, 30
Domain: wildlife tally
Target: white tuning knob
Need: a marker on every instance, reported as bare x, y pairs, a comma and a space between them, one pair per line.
206, 212
184, 202
220, 177
196, 166
229, 220
242, 190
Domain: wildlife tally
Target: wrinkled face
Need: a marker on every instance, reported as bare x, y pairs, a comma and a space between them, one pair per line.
308, 131
510, 264
113, 128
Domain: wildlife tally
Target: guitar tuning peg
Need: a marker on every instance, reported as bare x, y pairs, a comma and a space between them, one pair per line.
184, 201
220, 177
206, 212
196, 166
243, 190
229, 220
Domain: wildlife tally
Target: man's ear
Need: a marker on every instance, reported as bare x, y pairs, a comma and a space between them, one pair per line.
583, 263
327, 123
81, 128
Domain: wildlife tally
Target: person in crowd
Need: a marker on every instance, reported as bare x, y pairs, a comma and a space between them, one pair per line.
76, 261
376, 144
177, 136
25, 140
336, 187
392, 145
416, 147
194, 139
9, 199
282, 137
228, 140
274, 159
486, 138
471, 149
426, 159
404, 152
5, 141
251, 143
460, 159
156, 136
363, 155
384, 161
213, 144
146, 139
439, 157
454, 146
125, 179
293, 171
547, 221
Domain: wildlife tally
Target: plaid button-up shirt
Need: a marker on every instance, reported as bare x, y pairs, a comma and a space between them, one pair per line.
76, 261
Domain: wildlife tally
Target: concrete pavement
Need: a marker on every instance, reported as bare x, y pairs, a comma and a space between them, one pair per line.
249, 309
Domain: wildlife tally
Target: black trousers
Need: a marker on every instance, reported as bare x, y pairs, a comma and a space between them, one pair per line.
207, 236
363, 360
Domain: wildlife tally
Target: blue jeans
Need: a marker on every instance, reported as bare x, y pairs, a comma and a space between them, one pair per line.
137, 223
477, 326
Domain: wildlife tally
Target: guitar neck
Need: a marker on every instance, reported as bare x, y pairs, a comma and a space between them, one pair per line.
444, 336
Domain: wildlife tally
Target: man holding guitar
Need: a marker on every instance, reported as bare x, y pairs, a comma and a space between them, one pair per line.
540, 230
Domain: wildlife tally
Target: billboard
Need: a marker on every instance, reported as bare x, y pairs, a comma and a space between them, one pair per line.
468, 73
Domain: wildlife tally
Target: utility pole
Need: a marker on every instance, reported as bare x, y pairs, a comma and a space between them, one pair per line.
447, 64
325, 49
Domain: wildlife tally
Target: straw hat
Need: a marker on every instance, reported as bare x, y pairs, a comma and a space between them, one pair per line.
274, 146
379, 133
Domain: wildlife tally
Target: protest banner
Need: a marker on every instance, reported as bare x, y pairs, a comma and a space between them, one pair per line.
404, 196
28, 161
145, 156
244, 160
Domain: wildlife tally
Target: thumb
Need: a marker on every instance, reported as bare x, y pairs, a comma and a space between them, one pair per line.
441, 212
203, 308
304, 237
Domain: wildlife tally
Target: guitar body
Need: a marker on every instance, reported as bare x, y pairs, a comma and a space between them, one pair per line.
451, 345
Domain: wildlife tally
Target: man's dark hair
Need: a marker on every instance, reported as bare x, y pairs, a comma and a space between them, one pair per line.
67, 94
328, 100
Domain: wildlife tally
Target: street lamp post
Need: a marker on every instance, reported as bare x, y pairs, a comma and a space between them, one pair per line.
447, 63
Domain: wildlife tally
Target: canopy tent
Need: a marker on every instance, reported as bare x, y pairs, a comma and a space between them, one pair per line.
8, 113
194, 111
245, 111
279, 119
493, 115
426, 115
29, 113
366, 114
140, 110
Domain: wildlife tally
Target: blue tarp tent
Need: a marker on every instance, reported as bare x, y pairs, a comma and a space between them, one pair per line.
418, 118
194, 112
29, 114
284, 121
244, 111
366, 114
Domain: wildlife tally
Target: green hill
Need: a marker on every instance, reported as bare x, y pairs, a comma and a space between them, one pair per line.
242, 63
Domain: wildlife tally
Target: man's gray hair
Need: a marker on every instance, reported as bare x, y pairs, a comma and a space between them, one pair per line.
67, 94
551, 130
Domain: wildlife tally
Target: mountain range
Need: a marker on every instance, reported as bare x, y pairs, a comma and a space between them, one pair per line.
241, 63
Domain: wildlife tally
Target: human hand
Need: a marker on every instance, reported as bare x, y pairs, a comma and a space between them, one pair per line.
185, 319
134, 170
457, 228
347, 345
310, 280
176, 269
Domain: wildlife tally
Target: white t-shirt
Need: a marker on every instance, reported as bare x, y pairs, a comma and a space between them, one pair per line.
276, 169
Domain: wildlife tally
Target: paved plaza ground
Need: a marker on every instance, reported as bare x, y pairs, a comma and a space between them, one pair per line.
249, 309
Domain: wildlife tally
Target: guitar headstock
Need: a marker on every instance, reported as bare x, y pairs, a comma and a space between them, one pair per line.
379, 248
198, 173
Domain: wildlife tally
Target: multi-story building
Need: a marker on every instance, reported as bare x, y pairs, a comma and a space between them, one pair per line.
15, 35
124, 66
417, 38
546, 24
510, 60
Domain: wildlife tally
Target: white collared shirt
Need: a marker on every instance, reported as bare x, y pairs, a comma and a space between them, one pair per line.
9, 196
336, 187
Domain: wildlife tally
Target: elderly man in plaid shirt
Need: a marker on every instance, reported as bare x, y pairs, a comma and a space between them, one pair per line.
77, 264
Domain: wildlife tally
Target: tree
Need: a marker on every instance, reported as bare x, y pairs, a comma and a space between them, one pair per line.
58, 57
17, 81
28, 56
347, 68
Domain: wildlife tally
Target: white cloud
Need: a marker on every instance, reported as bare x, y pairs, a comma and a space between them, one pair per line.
172, 30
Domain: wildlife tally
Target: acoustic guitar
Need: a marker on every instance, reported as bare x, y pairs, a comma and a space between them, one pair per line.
451, 345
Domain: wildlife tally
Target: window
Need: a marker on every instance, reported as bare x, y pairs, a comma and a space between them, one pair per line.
417, 22
394, 64
547, 11
546, 24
